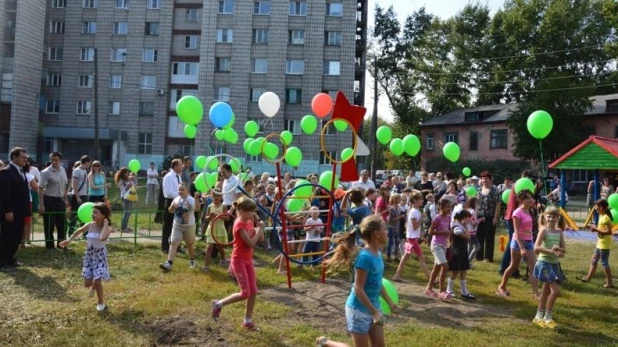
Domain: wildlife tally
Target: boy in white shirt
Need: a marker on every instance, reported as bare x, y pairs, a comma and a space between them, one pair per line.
183, 228
413, 233
313, 229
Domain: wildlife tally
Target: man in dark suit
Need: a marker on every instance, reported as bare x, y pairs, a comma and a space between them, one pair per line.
14, 208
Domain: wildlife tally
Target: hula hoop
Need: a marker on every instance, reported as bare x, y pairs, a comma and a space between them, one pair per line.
285, 148
277, 213
214, 189
323, 145
212, 234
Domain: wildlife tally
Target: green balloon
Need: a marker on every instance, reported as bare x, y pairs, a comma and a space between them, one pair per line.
614, 215
466, 171
471, 192
396, 147
340, 125
295, 205
505, 196
200, 162
189, 110
230, 135
540, 124
293, 156
247, 143
212, 162
451, 151
200, 182
411, 145
309, 124
612, 201
391, 291
134, 166
347, 154
231, 122
326, 179
271, 150
524, 184
84, 212
287, 137
235, 163
219, 134
251, 128
260, 140
384, 134
305, 190
243, 176
211, 180
255, 148
190, 131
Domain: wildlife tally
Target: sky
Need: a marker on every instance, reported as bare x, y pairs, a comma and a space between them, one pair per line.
441, 8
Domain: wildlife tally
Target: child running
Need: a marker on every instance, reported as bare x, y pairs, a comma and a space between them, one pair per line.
183, 228
550, 247
95, 266
364, 319
413, 233
440, 230
460, 263
604, 243
216, 234
245, 237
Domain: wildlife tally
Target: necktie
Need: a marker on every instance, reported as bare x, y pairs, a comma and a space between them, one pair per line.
178, 179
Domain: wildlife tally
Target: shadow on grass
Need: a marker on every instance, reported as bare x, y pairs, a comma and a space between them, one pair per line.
568, 333
45, 287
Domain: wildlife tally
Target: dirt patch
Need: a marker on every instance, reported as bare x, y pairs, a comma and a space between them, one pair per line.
178, 331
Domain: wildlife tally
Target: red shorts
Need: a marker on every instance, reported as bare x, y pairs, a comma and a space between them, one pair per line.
412, 245
28, 220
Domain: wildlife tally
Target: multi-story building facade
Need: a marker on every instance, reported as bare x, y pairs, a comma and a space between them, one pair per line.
150, 53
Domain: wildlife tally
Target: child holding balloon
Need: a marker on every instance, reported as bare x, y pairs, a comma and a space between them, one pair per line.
95, 266
364, 318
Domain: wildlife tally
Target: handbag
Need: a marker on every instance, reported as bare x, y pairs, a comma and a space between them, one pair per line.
131, 195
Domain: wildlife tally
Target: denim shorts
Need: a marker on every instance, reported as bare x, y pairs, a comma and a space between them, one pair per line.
528, 245
547, 272
358, 321
601, 254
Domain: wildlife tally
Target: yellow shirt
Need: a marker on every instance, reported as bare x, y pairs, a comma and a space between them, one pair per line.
605, 241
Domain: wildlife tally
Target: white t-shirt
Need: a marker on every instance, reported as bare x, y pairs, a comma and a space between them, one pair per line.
313, 234
30, 177
81, 176
152, 176
363, 185
411, 181
35, 173
230, 196
412, 233
456, 209
185, 208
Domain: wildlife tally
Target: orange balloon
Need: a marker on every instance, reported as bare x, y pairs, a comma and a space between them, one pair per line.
322, 104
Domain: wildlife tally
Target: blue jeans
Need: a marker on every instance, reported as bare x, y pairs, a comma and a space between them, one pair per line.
127, 207
506, 257
393, 240
311, 247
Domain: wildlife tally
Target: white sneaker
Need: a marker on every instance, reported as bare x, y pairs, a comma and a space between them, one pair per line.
101, 307
191, 264
165, 266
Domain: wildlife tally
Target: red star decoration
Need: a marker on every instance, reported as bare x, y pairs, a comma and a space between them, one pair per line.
353, 114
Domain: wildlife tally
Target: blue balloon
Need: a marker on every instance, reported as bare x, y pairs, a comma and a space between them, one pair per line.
220, 114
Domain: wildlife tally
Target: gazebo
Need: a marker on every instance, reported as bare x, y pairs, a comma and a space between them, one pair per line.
595, 153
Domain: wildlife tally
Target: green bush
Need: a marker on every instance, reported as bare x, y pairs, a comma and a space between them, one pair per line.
498, 168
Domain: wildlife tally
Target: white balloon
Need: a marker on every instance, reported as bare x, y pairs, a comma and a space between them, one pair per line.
269, 104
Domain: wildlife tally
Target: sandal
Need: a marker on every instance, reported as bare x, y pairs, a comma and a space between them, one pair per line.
503, 293
583, 279
430, 293
397, 279
608, 286
321, 341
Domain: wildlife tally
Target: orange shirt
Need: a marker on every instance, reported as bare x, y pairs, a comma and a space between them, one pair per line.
241, 250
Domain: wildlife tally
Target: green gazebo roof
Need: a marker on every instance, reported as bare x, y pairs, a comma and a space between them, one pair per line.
596, 153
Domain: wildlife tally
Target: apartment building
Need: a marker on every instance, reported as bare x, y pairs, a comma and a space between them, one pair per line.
150, 53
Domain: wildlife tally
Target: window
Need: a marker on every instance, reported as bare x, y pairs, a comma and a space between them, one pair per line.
292, 126
324, 160
298, 8
86, 54
85, 81
89, 28
474, 141
149, 82
255, 159
261, 7
190, 42
54, 80
144, 143
185, 69
222, 64
334, 9
260, 36
611, 106
122, 4
499, 139
293, 96
121, 28
474, 116
153, 4
57, 4
113, 108
451, 137
49, 145
296, 37
90, 3
295, 67
222, 94
152, 29
150, 55
115, 81
225, 35
226, 6
191, 15
56, 27
259, 65
146, 109
255, 94
429, 142
331, 68
333, 38
83, 107
54, 54
52, 106
332, 94
119, 55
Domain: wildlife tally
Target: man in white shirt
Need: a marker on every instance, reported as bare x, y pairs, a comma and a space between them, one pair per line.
411, 179
171, 181
53, 205
152, 184
364, 182
230, 184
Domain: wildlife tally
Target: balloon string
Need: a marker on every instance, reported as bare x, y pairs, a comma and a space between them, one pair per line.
543, 167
